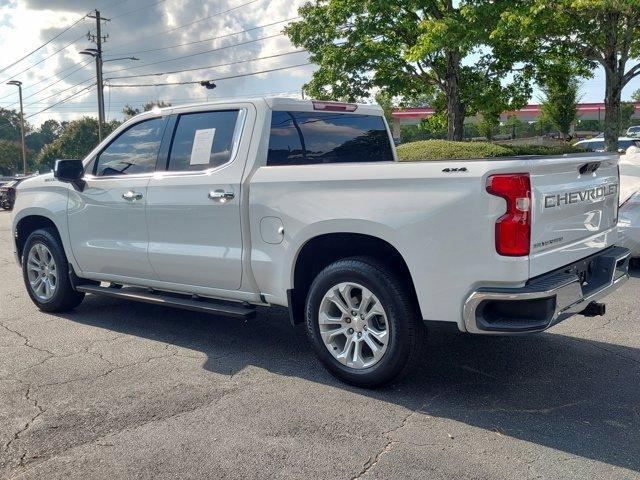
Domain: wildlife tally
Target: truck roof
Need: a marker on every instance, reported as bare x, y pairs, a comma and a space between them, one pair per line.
285, 103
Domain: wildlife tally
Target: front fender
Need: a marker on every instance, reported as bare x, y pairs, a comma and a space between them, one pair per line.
49, 202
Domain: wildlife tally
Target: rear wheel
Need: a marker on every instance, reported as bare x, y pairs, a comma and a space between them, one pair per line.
362, 322
45, 271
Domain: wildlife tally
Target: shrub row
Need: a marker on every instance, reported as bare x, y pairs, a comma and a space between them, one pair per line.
445, 150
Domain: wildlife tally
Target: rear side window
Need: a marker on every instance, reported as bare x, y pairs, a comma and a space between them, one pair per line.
134, 151
302, 138
202, 140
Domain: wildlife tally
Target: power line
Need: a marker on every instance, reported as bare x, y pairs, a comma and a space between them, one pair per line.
210, 79
62, 101
61, 91
138, 9
188, 24
174, 102
113, 4
204, 68
44, 44
15, 75
204, 40
48, 77
54, 83
195, 54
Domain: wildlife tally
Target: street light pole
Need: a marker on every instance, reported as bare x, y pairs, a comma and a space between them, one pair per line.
24, 149
97, 54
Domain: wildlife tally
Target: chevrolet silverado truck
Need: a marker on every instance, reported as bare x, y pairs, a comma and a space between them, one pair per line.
223, 207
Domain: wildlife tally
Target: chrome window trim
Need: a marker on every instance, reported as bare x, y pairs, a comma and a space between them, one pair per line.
235, 145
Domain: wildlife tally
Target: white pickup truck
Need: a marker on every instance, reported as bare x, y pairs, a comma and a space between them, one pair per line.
225, 206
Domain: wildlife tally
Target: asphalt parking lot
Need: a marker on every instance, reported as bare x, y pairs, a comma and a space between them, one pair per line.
124, 390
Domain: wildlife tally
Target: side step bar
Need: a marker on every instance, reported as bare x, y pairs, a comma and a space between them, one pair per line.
171, 300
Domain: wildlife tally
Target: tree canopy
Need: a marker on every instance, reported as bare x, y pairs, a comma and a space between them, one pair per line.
130, 111
586, 32
560, 105
410, 48
9, 125
76, 141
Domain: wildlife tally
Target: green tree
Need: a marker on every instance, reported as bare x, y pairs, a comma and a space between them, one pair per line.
515, 127
9, 125
407, 47
76, 141
635, 96
47, 133
10, 157
129, 111
589, 32
434, 126
386, 102
627, 109
560, 106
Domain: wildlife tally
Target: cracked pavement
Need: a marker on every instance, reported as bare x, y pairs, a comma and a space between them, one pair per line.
121, 390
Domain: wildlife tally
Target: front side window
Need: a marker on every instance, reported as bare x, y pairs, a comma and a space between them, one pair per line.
135, 151
203, 140
299, 138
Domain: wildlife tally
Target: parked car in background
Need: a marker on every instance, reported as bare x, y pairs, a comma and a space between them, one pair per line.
633, 131
8, 193
629, 213
596, 144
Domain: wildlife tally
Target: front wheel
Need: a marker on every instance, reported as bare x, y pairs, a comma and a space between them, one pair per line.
46, 273
362, 322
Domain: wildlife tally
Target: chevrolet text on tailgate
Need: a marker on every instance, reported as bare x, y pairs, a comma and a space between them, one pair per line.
224, 206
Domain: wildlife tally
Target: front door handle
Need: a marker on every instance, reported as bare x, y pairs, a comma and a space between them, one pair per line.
221, 196
131, 196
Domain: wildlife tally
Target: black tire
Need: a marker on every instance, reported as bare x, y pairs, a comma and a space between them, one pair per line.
407, 331
64, 297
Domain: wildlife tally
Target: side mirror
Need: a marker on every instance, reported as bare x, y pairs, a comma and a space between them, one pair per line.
69, 171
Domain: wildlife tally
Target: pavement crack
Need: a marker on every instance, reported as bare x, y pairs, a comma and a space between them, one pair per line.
26, 340
372, 462
388, 447
27, 425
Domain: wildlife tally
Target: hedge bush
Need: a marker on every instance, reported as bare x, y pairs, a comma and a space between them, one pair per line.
444, 150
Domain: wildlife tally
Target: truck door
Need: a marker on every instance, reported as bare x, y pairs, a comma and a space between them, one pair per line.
193, 206
107, 219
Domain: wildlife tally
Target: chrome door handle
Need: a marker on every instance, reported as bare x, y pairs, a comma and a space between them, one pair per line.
221, 196
131, 196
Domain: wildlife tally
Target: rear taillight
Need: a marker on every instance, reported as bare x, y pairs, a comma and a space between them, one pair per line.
513, 229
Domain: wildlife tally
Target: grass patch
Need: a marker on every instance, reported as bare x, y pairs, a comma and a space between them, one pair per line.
446, 150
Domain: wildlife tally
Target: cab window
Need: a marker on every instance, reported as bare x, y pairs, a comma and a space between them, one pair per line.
135, 151
203, 140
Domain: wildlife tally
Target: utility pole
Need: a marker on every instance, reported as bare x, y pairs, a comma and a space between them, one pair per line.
97, 54
24, 149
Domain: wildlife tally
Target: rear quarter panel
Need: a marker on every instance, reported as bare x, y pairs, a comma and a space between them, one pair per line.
441, 223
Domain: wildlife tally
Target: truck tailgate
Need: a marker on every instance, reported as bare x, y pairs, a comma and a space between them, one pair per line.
575, 209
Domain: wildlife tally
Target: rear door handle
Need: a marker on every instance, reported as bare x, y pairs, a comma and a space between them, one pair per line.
131, 196
221, 196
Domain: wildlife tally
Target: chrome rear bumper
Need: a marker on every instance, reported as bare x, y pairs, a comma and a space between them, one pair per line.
548, 299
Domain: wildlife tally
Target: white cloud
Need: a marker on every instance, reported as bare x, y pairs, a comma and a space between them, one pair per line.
26, 24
